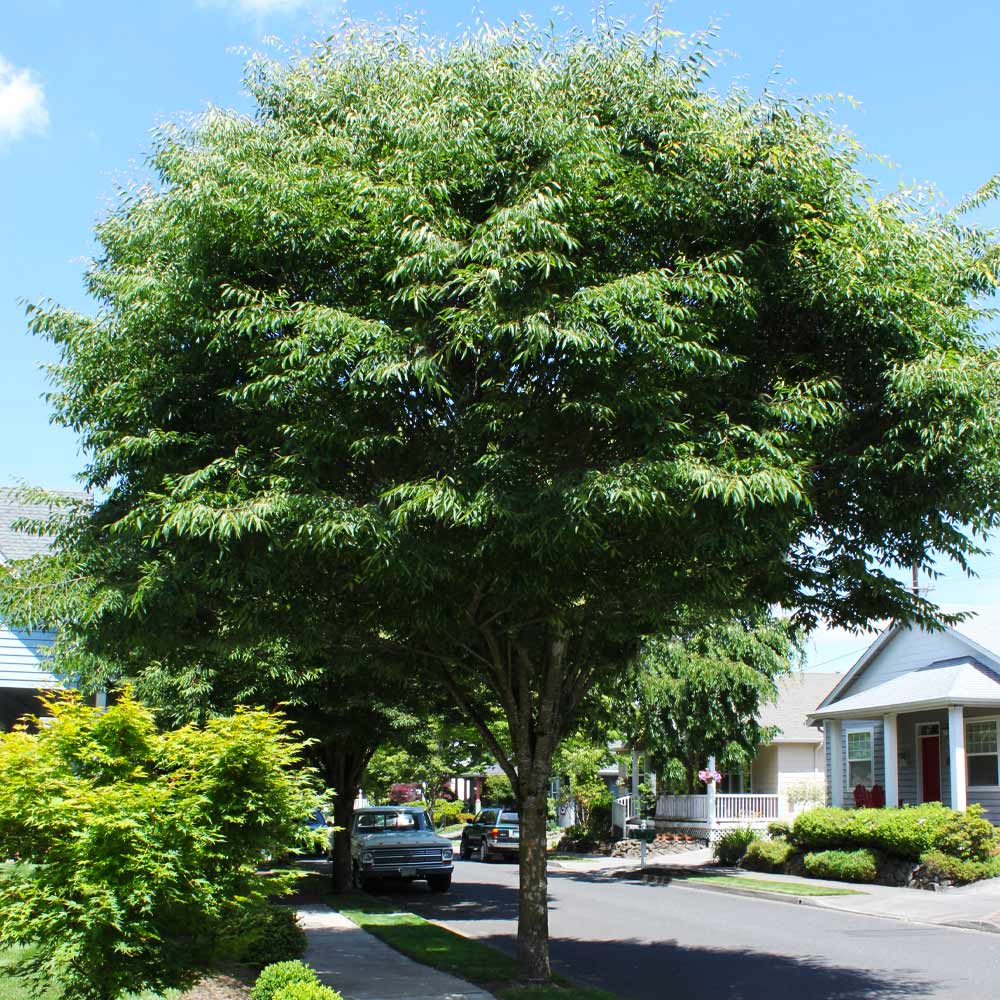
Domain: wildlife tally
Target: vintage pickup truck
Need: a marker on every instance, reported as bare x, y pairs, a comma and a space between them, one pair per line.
399, 842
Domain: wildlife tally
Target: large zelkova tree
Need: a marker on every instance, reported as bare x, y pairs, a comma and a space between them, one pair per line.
698, 694
517, 350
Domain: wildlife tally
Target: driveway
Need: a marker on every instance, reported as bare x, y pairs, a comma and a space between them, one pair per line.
672, 942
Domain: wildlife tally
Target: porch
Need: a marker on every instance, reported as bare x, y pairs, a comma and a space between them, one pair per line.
710, 814
932, 735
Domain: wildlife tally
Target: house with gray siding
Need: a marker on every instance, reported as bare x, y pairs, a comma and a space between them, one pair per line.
918, 716
24, 655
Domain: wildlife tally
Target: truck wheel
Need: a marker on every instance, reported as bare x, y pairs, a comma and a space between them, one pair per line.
439, 883
465, 851
361, 881
484, 851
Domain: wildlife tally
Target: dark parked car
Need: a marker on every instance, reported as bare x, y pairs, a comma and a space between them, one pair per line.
494, 833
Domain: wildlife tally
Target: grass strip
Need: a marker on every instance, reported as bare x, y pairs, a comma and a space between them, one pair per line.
768, 885
436, 946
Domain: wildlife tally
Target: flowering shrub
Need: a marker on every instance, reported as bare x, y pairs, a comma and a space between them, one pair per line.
402, 793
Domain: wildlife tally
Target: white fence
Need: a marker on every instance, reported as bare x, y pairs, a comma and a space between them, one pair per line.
712, 810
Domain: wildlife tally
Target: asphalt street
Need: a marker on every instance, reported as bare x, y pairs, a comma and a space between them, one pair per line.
670, 942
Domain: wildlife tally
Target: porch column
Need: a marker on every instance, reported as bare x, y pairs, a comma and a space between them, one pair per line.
956, 757
835, 741
891, 754
710, 797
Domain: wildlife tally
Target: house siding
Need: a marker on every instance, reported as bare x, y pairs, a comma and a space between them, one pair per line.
23, 658
878, 750
799, 764
764, 771
908, 650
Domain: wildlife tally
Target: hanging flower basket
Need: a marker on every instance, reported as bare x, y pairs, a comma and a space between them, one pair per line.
707, 776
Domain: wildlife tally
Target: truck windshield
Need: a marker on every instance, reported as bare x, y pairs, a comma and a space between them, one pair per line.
391, 822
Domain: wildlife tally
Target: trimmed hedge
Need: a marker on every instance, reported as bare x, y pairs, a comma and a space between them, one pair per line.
958, 870
904, 833
307, 991
767, 855
843, 866
274, 978
779, 828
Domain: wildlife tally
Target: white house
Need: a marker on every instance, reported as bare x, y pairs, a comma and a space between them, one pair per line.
24, 671
917, 717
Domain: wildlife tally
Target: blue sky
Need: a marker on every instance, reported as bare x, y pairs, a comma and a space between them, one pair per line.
81, 84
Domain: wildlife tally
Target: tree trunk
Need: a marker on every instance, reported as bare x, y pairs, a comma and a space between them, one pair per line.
344, 768
533, 907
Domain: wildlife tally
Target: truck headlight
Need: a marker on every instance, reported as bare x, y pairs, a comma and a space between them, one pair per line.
446, 853
367, 858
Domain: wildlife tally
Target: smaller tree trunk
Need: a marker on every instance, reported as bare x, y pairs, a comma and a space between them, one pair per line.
343, 817
533, 909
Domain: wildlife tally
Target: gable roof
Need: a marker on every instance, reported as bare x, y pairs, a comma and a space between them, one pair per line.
16, 544
978, 652
963, 680
798, 695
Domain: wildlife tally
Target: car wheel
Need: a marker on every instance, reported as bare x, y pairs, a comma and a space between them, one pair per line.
439, 883
484, 851
361, 881
465, 851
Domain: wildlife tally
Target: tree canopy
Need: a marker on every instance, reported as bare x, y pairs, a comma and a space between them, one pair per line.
493, 357
699, 695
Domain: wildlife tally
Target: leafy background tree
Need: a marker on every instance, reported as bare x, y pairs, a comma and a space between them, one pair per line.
699, 695
491, 358
136, 846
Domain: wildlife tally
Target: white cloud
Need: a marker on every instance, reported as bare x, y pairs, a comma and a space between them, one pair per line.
22, 103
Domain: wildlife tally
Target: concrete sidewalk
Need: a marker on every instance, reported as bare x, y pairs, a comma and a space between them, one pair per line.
363, 968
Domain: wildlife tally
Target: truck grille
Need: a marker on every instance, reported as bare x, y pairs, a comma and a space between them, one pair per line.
393, 856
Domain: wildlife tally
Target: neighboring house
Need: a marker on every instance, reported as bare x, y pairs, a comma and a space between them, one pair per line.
793, 765
918, 716
24, 672
787, 774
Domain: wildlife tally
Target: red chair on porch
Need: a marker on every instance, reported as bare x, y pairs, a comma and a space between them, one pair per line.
869, 798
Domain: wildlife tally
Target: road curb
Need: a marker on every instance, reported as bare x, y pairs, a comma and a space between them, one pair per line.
735, 890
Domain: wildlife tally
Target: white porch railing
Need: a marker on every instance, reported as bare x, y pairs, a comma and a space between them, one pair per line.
682, 807
713, 809
624, 810
746, 807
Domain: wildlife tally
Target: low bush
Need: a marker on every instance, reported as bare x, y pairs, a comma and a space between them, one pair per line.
779, 828
464, 817
733, 844
307, 991
767, 855
958, 870
276, 977
904, 833
262, 935
968, 837
445, 812
843, 866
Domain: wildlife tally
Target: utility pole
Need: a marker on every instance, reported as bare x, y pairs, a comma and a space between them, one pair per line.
915, 586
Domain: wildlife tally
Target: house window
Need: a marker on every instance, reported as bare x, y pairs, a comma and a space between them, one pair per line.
981, 751
860, 759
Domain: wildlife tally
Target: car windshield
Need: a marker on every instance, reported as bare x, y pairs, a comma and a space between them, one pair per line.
391, 822
507, 817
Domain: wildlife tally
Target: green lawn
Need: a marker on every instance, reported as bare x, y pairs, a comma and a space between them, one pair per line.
433, 945
788, 888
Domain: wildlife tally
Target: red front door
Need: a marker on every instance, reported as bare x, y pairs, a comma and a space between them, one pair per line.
930, 769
